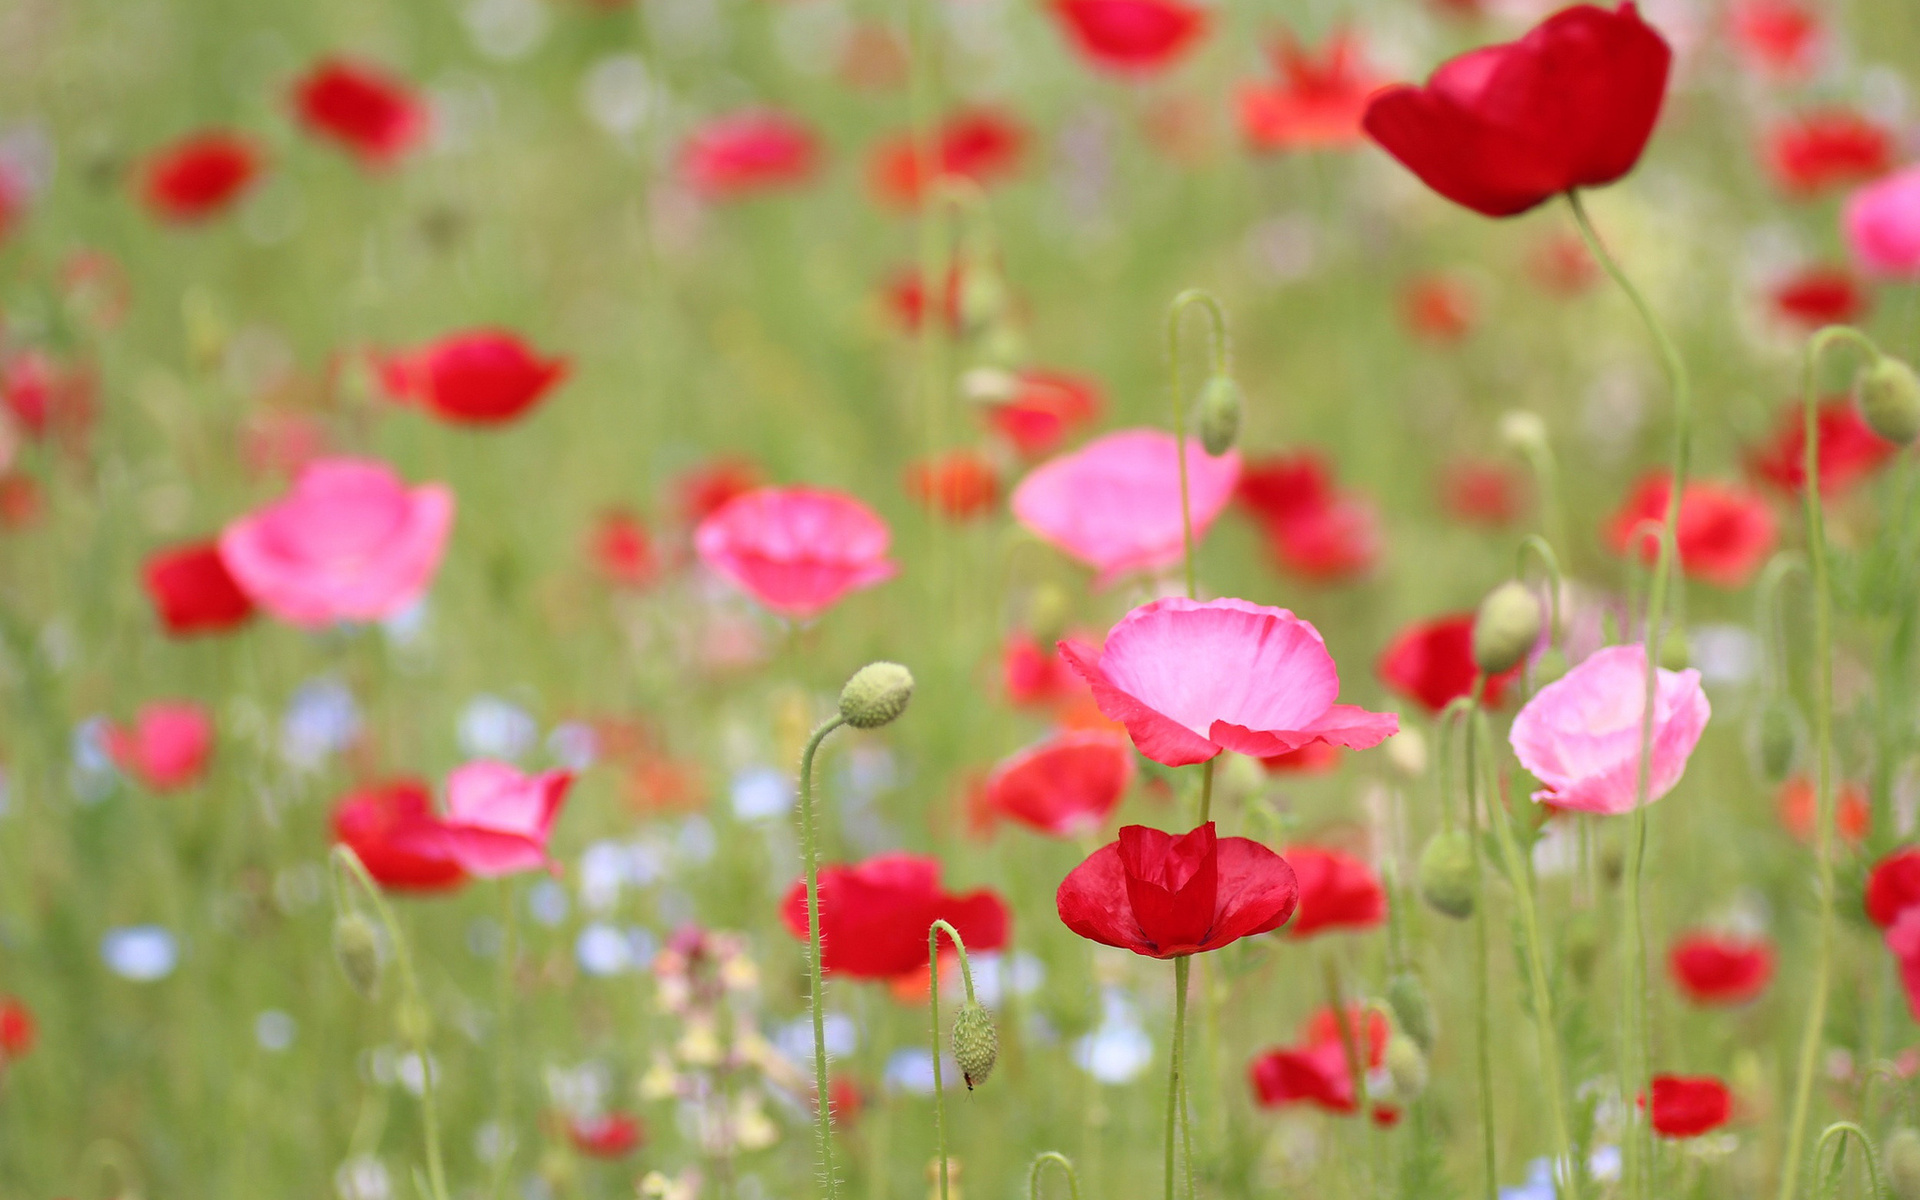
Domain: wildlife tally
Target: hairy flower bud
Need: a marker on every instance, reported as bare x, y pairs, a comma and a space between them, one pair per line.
1446, 873
1220, 409
1412, 1008
356, 946
1506, 627
1901, 1154
976, 1044
1890, 400
876, 695
1407, 1066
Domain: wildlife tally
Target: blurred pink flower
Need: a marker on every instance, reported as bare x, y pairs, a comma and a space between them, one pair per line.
1114, 504
748, 153
1882, 224
499, 818
796, 550
1903, 938
167, 747
1580, 735
1189, 680
350, 542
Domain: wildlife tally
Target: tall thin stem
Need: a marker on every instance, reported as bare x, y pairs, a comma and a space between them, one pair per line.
1483, 1035
1174, 1076
1218, 318
1066, 1164
933, 1011
810, 850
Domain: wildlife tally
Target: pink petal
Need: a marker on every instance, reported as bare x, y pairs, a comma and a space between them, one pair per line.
1157, 736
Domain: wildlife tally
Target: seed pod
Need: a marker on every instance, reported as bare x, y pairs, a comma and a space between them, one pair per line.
1408, 1067
1506, 627
1446, 874
976, 1044
1890, 400
356, 946
1220, 409
1407, 996
1901, 1154
876, 695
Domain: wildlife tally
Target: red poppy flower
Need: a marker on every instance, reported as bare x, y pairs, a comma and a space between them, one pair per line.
1780, 38
1337, 891
1686, 1106
1066, 786
19, 501
1134, 37
979, 144
1820, 295
482, 377
1431, 663
1711, 969
46, 397
1725, 532
1560, 263
1852, 815
874, 915
1165, 896
1318, 102
614, 1135
746, 154
1849, 449
708, 488
196, 178
1828, 149
1481, 493
192, 591
371, 114
1035, 674
844, 1098
1315, 1070
1439, 308
959, 484
17, 1029
906, 299
392, 827
1893, 886
1314, 758
622, 550
1046, 408
1504, 128
1314, 530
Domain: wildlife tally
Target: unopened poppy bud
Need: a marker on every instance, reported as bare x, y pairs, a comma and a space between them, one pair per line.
876, 695
982, 299
1675, 651
1220, 408
976, 1044
1550, 666
1407, 1066
414, 1020
1506, 627
1890, 400
1522, 429
1776, 740
1048, 611
1412, 1008
356, 946
1901, 1154
1446, 873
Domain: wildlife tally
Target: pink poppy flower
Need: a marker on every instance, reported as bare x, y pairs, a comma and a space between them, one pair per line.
1189, 680
350, 542
1065, 786
796, 550
167, 747
748, 153
498, 818
1114, 504
1903, 939
1882, 224
1580, 735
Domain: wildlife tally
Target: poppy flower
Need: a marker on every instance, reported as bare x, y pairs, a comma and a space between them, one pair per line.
622, 550
959, 484
1114, 504
1777, 38
1725, 533
1799, 807
1561, 264
167, 746
1827, 149
1431, 663
1820, 295
18, 1029
1580, 735
1166, 896
1315, 1070
796, 550
193, 592
1501, 129
1045, 408
349, 542
198, 177
906, 299
1439, 308
498, 819
1882, 225
1189, 680
1337, 891
979, 145
20, 501
1131, 37
1903, 939
1314, 530
1850, 450
874, 915
481, 377
611, 1135
1714, 970
1893, 886
46, 397
1065, 786
1481, 493
844, 1098
369, 113
747, 154
390, 827
1035, 675
708, 488
1686, 1106
1317, 103
1314, 758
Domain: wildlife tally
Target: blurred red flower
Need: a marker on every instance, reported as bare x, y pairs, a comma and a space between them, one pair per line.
480, 377
192, 591
1035, 674
1314, 758
1798, 806
1686, 1106
1439, 308
371, 114
1561, 263
1044, 409
1314, 530
1820, 295
1850, 450
1337, 891
1725, 532
1165, 895
19, 501
1135, 37
1431, 663
1482, 493
706, 489
906, 298
391, 827
167, 746
1893, 886
977, 144
959, 484
874, 915
611, 1135
1832, 148
748, 153
199, 176
1506, 127
1778, 38
1315, 1070
1318, 101
1066, 786
46, 397
622, 550
1713, 970
18, 1030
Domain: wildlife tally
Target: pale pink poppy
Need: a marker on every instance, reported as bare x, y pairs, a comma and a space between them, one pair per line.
1580, 735
1882, 224
167, 747
1189, 680
350, 542
796, 550
1114, 504
499, 818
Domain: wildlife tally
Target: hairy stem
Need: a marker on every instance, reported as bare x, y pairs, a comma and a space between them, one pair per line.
810, 850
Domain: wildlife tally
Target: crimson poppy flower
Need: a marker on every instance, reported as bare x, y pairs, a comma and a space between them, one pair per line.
17, 1029
1431, 663
192, 591
1820, 295
1481, 493
1893, 886
1314, 530
1314, 758
611, 1135
1715, 970
1725, 532
1317, 103
748, 153
374, 116
1045, 408
1686, 1106
198, 177
1315, 1070
1337, 891
1828, 149
481, 377
1778, 38
1504, 128
1131, 37
392, 828
1439, 308
167, 746
978, 144
708, 488
958, 484
1849, 449
1036, 675
874, 915
1166, 896
622, 550
1065, 786
1799, 806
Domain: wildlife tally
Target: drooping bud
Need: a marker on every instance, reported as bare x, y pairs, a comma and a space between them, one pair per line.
1775, 740
1412, 1008
1890, 400
1407, 1066
356, 946
1506, 627
1220, 409
1446, 873
976, 1044
1901, 1154
876, 695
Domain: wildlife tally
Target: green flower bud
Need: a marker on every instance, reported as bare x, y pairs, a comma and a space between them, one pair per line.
1048, 612
1412, 1008
1506, 627
983, 298
1408, 1067
1551, 665
356, 946
1446, 874
1901, 1155
1890, 400
1220, 408
876, 695
976, 1044
1675, 651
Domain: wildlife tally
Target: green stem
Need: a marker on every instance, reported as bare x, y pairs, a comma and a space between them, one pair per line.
1174, 1078
503, 1079
1841, 1130
1349, 1044
933, 1011
810, 850
1066, 1164
1482, 1017
1218, 318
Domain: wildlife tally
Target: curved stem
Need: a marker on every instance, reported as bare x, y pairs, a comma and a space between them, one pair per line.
1543, 550
1546, 474
1174, 1078
1066, 1164
1218, 318
810, 850
1841, 1129
933, 1011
